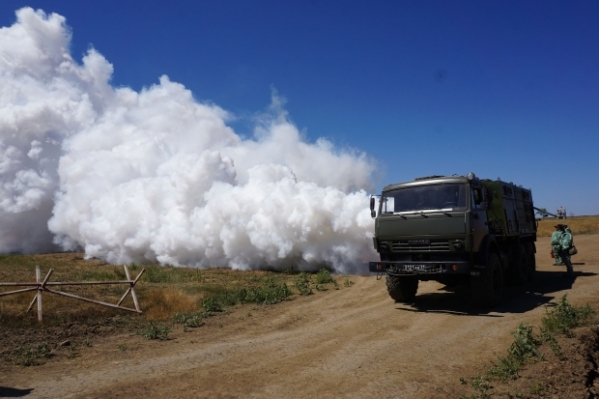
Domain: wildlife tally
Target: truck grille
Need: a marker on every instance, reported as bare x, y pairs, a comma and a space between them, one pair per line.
405, 246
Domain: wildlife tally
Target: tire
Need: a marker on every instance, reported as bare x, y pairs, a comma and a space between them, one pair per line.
487, 288
519, 267
531, 262
402, 289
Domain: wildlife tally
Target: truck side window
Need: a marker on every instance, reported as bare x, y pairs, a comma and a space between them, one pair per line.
388, 205
477, 198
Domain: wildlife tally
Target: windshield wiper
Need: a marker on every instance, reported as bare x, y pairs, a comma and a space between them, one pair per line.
423, 213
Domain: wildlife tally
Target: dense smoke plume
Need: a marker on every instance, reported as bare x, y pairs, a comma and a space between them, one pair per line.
156, 176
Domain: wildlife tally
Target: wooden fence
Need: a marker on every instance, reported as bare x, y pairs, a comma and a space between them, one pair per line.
42, 286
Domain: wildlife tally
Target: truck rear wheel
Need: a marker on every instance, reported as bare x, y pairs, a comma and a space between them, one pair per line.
519, 269
487, 288
531, 262
402, 289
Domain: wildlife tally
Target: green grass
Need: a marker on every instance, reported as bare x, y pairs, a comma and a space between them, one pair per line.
190, 319
323, 277
564, 317
524, 348
29, 355
303, 284
153, 331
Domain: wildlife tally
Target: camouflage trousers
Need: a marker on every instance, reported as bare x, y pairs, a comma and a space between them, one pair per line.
557, 260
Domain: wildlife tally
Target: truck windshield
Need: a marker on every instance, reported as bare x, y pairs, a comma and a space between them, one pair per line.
424, 198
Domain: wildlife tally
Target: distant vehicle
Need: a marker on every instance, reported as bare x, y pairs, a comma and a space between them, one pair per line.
561, 213
454, 229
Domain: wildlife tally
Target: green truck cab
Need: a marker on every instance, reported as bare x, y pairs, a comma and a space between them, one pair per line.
454, 230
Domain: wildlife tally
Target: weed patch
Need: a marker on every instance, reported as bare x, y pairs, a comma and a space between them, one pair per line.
323, 277
190, 319
520, 351
564, 317
30, 355
525, 347
153, 331
303, 284
259, 295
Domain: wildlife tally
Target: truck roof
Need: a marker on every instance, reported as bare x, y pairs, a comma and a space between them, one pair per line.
425, 181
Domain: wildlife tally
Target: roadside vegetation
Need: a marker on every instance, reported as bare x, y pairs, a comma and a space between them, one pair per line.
507, 377
578, 225
170, 298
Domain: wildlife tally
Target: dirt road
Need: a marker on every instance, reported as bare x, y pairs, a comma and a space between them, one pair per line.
352, 343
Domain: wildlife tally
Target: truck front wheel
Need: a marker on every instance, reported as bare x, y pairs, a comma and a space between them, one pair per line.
487, 288
402, 289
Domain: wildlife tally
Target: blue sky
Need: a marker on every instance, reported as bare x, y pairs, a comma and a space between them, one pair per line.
505, 89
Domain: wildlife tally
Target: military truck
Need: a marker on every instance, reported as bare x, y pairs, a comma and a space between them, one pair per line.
454, 230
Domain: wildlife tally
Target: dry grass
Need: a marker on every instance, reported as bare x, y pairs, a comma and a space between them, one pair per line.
578, 225
161, 304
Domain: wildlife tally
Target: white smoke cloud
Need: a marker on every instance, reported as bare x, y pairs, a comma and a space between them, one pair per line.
156, 176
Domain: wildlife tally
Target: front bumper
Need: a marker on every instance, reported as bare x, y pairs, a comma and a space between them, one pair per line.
420, 268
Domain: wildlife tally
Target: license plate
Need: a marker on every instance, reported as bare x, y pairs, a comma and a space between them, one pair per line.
419, 242
410, 268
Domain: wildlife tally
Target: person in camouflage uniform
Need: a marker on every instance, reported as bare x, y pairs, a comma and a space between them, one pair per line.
555, 245
565, 242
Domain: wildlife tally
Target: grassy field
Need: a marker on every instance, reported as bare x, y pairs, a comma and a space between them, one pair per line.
170, 297
165, 293
578, 225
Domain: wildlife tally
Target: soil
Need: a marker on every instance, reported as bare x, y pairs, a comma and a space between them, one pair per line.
354, 343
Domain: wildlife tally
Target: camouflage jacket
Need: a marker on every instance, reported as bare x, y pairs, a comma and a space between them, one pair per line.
555, 237
565, 239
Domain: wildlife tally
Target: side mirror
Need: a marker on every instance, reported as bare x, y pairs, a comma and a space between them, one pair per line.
372, 211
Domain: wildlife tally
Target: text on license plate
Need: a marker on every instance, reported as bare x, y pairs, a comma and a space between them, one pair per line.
414, 267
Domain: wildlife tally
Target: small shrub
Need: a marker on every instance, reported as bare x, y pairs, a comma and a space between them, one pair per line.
520, 351
43, 350
564, 317
324, 277
27, 356
302, 283
153, 331
481, 385
190, 319
525, 344
348, 283
539, 389
212, 305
